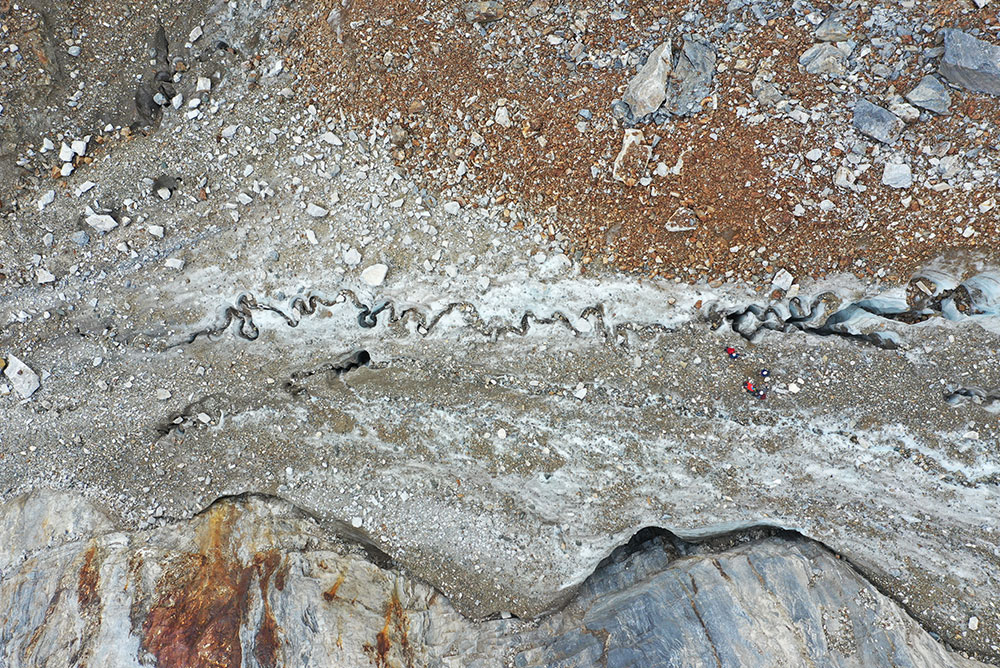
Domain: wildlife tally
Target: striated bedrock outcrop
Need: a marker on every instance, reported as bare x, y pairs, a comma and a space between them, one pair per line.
254, 581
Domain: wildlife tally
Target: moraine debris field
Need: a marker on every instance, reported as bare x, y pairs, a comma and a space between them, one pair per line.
564, 333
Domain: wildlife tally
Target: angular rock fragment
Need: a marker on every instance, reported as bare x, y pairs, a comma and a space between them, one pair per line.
971, 63
102, 222
648, 89
315, 210
483, 12
904, 111
833, 28
930, 94
375, 274
823, 58
21, 377
897, 175
878, 123
691, 81
630, 165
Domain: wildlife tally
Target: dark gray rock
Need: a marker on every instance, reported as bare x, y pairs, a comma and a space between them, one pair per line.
775, 602
930, 94
971, 63
878, 123
692, 78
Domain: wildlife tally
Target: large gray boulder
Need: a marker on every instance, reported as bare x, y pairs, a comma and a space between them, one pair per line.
971, 63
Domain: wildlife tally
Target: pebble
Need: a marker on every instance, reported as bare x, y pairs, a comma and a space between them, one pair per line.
502, 117
66, 169
204, 84
331, 139
162, 394
356, 522
316, 211
195, 34
973, 623
483, 12
156, 231
47, 145
352, 257
897, 175
80, 238
814, 155
74, 51
79, 147
21, 377
44, 276
793, 388
102, 222
452, 207
907, 112
782, 280
175, 263
65, 152
229, 131
46, 199
375, 274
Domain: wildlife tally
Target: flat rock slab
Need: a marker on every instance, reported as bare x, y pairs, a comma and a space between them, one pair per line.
24, 381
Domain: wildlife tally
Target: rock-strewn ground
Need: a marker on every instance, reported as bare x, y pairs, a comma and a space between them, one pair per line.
215, 282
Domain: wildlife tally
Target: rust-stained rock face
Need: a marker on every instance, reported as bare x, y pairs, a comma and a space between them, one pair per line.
87, 594
201, 601
249, 582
